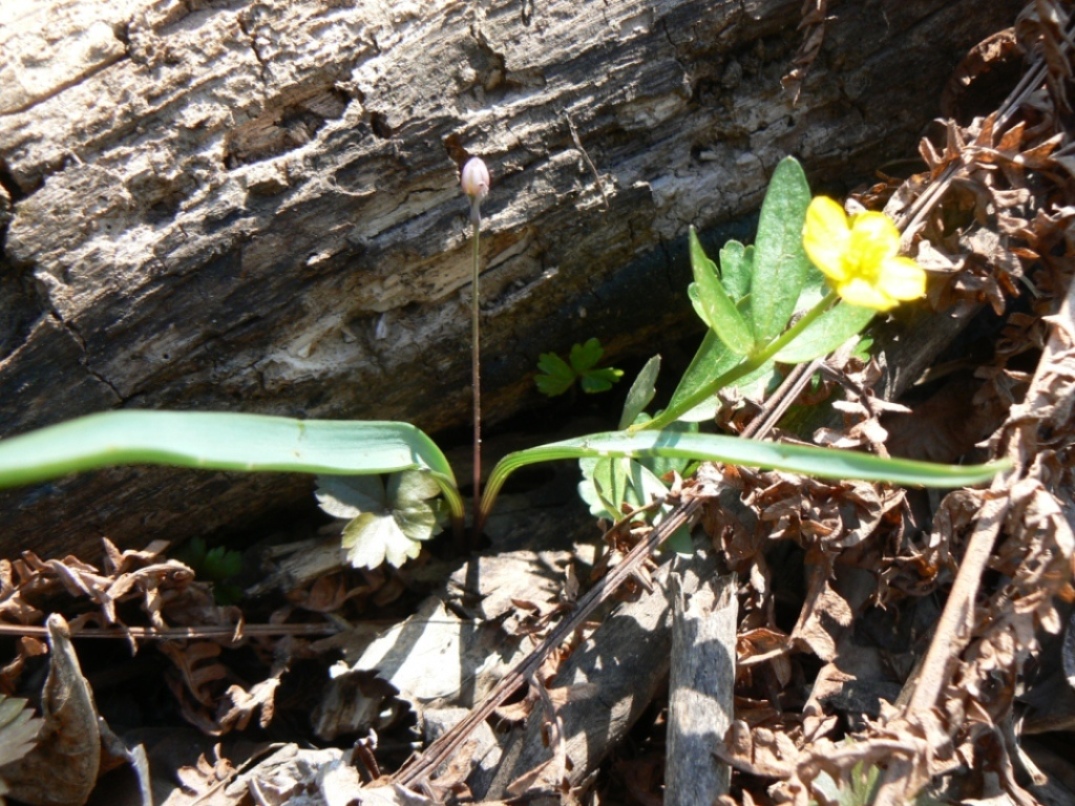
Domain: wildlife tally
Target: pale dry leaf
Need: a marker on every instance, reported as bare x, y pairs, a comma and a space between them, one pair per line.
239, 705
18, 729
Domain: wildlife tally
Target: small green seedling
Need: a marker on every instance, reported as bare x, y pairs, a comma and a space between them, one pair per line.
218, 565
558, 376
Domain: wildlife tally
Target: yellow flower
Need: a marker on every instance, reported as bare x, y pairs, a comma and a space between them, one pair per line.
860, 256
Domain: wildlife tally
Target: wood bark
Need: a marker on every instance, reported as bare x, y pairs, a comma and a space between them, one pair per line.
254, 205
701, 689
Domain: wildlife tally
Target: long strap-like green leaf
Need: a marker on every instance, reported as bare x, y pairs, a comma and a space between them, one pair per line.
223, 441
827, 463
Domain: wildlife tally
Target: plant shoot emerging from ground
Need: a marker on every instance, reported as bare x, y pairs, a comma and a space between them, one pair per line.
474, 180
765, 304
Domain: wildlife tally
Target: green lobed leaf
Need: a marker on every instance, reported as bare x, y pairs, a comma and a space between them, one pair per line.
350, 496
557, 377
641, 392
586, 355
827, 333
603, 486
712, 303
828, 463
600, 380
780, 263
610, 483
388, 522
224, 441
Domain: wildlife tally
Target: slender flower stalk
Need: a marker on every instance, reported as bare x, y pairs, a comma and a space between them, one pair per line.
475, 183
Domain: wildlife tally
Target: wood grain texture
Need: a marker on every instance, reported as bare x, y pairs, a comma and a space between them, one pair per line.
701, 688
254, 205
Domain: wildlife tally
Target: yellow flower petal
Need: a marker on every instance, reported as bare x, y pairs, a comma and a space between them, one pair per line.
874, 239
865, 294
902, 278
860, 256
826, 236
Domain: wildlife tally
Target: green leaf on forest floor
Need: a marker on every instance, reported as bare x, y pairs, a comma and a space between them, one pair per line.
217, 565
387, 521
557, 375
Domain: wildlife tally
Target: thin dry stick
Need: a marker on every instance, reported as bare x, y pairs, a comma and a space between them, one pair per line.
777, 404
586, 157
421, 767
234, 631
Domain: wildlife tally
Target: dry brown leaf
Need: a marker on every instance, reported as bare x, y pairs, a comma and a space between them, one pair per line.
62, 769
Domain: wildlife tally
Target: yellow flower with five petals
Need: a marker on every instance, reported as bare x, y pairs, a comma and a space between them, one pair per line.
860, 256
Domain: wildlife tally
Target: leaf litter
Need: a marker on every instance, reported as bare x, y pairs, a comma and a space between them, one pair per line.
892, 644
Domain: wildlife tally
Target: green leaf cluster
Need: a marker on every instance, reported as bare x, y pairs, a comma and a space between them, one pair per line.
217, 565
749, 301
558, 376
386, 521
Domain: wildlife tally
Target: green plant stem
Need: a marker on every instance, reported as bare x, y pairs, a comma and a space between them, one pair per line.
475, 373
749, 365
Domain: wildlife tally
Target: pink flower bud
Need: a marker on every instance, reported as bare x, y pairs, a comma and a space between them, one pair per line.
475, 179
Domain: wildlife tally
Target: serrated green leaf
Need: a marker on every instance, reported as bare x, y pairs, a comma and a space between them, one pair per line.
400, 516
827, 333
585, 356
641, 392
600, 380
780, 263
558, 375
736, 266
712, 303
222, 563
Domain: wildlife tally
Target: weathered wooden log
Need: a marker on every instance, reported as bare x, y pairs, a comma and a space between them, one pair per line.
701, 688
254, 205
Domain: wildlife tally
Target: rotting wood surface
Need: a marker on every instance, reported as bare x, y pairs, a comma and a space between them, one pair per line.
255, 206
